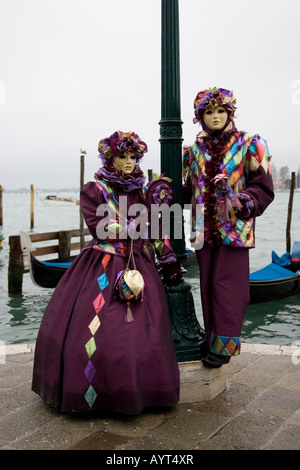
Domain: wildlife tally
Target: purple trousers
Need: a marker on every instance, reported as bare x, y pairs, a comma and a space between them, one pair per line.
224, 286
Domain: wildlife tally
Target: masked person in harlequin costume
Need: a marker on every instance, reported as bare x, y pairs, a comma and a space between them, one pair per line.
228, 173
103, 343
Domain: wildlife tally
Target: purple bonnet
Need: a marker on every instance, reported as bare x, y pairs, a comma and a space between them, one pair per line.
211, 98
119, 143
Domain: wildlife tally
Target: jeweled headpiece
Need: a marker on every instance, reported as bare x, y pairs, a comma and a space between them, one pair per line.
119, 143
211, 98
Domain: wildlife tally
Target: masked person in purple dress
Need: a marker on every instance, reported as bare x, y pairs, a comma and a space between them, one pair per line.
227, 173
105, 339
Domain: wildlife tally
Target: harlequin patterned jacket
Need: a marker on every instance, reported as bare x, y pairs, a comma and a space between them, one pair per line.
233, 183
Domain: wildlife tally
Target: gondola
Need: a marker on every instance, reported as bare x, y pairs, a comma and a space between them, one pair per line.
277, 280
43, 273
281, 278
47, 273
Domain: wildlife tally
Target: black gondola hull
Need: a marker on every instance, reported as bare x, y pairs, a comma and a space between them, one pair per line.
260, 291
266, 291
45, 275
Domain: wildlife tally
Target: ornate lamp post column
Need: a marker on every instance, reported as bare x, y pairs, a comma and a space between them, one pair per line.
187, 333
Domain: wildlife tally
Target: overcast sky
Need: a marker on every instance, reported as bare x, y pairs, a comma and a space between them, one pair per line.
74, 71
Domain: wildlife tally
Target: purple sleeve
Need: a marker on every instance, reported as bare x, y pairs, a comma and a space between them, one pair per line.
90, 199
259, 187
101, 214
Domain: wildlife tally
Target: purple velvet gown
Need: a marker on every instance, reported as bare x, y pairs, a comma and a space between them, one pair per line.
87, 356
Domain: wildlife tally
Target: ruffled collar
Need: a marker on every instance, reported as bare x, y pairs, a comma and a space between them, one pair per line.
131, 182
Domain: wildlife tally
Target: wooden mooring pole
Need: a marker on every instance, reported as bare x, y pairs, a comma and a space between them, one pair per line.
290, 210
15, 265
31, 206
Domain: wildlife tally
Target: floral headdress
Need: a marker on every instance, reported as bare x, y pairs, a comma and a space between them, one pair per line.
119, 143
211, 98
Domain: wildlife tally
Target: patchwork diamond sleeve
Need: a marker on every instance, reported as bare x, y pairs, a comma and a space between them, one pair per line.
258, 178
100, 210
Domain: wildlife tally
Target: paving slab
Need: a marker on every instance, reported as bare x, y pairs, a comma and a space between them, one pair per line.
256, 407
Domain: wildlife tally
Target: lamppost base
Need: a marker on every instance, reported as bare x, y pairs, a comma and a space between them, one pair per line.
187, 351
188, 336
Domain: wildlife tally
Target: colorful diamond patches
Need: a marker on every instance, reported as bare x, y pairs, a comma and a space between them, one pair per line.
103, 281
105, 262
90, 346
99, 302
90, 396
225, 345
90, 371
94, 325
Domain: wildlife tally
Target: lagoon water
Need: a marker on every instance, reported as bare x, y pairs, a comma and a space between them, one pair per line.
20, 315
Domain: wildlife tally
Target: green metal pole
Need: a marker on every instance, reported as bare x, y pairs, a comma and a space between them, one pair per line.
171, 123
187, 333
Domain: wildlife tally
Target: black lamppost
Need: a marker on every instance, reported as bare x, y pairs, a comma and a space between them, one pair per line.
187, 333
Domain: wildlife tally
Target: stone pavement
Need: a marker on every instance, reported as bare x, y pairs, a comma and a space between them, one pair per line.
259, 409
